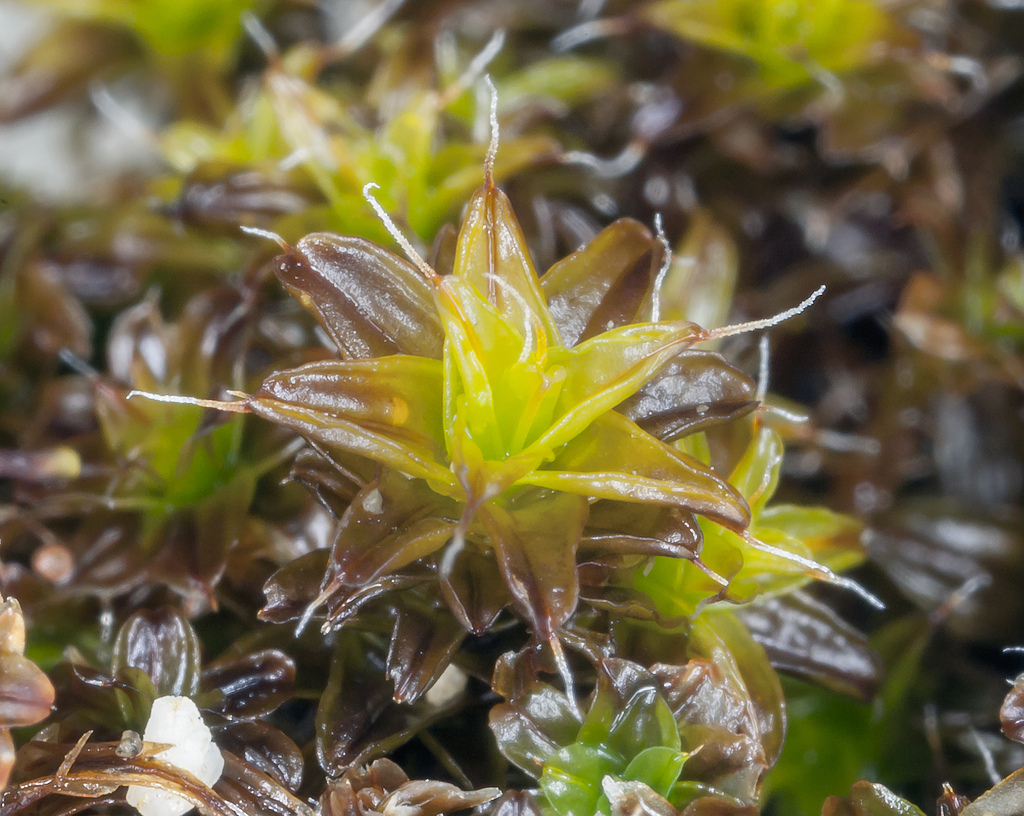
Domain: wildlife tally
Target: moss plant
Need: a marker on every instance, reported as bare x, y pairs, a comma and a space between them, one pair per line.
440, 500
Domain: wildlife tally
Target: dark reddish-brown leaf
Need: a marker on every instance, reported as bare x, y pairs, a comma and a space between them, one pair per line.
535, 538
357, 719
389, 524
1011, 714
266, 749
806, 638
250, 686
603, 285
474, 588
695, 390
255, 792
422, 645
370, 301
293, 587
163, 644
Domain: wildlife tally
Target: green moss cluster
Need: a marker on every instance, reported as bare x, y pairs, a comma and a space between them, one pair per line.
569, 496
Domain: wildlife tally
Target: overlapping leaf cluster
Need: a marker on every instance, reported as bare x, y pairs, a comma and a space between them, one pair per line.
423, 536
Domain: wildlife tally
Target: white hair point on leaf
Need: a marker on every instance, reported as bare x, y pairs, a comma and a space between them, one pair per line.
396, 233
666, 264
492, 145
768, 322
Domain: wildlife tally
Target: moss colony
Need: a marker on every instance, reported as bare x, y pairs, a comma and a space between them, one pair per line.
329, 486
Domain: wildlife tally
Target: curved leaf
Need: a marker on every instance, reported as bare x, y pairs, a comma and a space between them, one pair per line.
635, 527
357, 719
1004, 799
492, 256
535, 537
254, 790
615, 459
603, 285
390, 524
605, 370
266, 749
250, 686
872, 799
371, 302
163, 644
388, 409
474, 589
571, 781
422, 645
291, 589
1011, 713
26, 694
805, 637
694, 390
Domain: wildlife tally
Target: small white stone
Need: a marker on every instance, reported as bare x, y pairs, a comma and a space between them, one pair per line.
176, 720
449, 685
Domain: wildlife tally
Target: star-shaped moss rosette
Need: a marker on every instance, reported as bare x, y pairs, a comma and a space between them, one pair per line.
161, 494
659, 738
488, 398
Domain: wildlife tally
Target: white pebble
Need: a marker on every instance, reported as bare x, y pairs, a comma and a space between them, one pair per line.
176, 720
449, 685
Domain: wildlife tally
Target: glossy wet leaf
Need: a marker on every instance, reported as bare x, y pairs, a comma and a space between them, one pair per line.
571, 781
250, 686
1011, 713
531, 729
631, 797
388, 407
252, 790
748, 674
604, 284
356, 719
657, 767
806, 638
383, 788
597, 462
370, 302
629, 735
629, 714
164, 645
291, 589
25, 692
266, 749
389, 524
799, 538
694, 391
539, 569
475, 589
869, 799
1003, 799
620, 527
492, 257
423, 643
